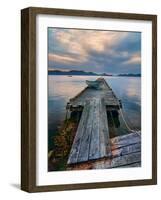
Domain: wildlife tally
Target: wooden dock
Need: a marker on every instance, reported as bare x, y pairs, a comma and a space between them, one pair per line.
125, 152
106, 93
92, 136
92, 144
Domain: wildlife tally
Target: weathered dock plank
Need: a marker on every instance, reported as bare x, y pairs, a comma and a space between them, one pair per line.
126, 150
118, 162
104, 132
125, 140
94, 152
127, 154
105, 93
79, 134
91, 140
125, 160
121, 157
137, 164
86, 139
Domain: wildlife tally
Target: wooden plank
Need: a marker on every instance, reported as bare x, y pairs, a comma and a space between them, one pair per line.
105, 147
137, 164
94, 152
88, 93
125, 140
118, 162
73, 156
92, 137
126, 150
86, 139
126, 159
100, 164
122, 137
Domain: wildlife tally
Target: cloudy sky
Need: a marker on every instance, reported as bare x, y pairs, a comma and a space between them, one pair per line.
95, 51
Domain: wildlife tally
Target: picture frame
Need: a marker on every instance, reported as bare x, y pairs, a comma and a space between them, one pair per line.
29, 77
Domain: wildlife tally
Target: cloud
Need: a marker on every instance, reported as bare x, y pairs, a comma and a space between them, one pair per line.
82, 42
134, 59
62, 58
97, 51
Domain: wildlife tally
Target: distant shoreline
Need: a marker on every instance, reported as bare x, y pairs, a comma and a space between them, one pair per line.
92, 75
84, 73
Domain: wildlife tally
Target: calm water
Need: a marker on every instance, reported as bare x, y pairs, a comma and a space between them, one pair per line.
62, 88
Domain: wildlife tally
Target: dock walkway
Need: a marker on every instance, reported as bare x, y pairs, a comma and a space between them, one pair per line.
106, 93
92, 145
92, 136
125, 152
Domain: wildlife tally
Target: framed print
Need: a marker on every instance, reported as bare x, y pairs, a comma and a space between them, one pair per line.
88, 99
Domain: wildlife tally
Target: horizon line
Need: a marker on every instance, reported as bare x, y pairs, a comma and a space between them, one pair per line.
69, 70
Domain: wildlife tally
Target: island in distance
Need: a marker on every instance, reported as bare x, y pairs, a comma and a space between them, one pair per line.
84, 73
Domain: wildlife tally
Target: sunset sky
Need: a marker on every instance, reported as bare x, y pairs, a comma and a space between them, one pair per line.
96, 51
